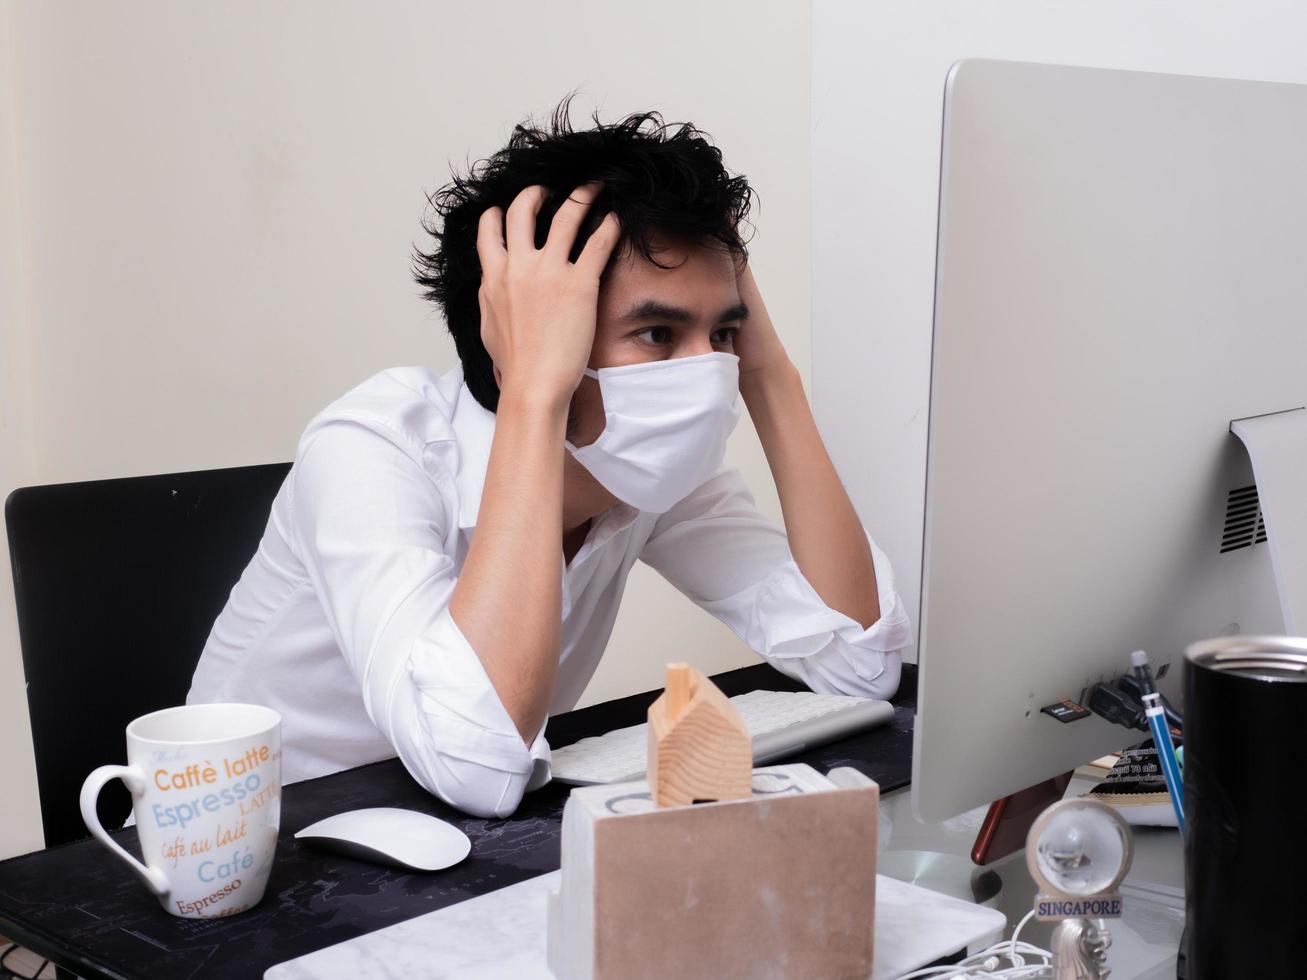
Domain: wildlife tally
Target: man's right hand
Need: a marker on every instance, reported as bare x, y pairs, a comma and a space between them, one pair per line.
538, 313
538, 309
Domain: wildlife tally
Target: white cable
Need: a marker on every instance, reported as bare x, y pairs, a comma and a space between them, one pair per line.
985, 965
960, 971
967, 970
1012, 945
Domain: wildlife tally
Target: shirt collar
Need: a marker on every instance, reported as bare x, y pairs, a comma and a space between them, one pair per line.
474, 427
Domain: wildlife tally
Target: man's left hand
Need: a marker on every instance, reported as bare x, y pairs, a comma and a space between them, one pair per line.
757, 345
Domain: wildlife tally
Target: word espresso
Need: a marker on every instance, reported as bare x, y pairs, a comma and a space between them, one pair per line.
184, 908
180, 814
196, 775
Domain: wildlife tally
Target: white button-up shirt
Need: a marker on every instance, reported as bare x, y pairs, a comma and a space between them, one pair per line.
341, 620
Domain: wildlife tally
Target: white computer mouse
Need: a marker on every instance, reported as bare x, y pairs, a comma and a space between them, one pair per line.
404, 838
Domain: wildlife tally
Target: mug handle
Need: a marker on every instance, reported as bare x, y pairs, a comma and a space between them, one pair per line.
134, 777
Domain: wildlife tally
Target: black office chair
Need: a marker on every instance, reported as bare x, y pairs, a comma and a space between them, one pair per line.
117, 584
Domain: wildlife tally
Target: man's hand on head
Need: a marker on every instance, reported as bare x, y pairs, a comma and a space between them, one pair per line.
757, 344
538, 309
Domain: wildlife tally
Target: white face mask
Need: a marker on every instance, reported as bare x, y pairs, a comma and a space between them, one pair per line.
666, 424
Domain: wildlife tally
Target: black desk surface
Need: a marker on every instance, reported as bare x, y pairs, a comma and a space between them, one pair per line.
80, 906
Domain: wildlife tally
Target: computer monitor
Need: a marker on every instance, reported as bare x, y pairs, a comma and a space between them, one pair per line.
1121, 272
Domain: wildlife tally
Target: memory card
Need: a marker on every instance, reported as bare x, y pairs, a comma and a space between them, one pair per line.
1066, 711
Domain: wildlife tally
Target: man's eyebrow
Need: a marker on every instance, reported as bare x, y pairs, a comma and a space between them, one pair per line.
652, 309
737, 312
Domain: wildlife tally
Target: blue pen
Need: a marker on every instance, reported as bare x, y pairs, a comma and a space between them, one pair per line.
1161, 733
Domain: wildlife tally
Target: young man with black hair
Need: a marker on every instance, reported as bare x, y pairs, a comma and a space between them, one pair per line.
443, 566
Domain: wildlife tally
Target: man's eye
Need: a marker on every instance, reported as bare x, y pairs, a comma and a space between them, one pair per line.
727, 335
656, 335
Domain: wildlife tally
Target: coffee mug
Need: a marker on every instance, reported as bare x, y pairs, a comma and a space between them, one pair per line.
205, 781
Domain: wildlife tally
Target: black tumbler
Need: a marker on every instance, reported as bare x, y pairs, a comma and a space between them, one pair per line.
1245, 848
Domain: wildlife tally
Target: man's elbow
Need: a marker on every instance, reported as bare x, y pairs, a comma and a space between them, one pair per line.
454, 735
475, 789
835, 671
479, 791
478, 805
886, 684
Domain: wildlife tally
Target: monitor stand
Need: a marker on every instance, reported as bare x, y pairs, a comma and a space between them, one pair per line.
947, 874
1002, 833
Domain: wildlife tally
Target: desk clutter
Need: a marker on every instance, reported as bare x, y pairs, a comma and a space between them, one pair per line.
708, 868
79, 904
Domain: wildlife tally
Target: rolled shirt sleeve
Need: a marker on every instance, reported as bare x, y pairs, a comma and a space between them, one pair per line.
370, 524
716, 548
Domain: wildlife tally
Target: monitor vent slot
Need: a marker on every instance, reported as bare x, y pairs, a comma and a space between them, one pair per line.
1244, 526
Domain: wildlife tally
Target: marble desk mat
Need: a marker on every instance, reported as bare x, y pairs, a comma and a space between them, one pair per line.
503, 934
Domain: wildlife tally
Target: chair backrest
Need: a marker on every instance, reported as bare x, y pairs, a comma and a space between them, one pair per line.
117, 584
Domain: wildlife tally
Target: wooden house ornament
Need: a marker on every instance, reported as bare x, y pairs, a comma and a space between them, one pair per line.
699, 749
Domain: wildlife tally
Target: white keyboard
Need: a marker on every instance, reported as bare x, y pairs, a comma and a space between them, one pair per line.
780, 723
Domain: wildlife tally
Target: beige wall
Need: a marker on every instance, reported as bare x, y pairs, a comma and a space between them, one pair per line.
20, 827
206, 212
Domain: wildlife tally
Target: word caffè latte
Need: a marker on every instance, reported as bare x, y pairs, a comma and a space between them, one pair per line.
196, 775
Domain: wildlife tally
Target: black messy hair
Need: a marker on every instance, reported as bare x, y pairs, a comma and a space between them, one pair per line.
656, 178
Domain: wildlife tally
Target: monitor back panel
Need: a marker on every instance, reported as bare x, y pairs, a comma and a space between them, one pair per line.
1120, 273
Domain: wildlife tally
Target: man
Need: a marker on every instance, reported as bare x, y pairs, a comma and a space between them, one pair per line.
442, 568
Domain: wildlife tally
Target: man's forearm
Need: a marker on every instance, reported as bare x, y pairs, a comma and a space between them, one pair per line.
824, 532
508, 599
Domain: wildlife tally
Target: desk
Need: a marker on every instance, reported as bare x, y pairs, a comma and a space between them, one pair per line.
78, 905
